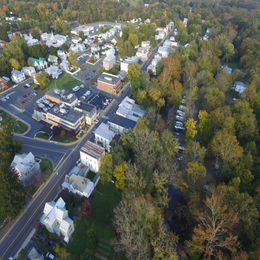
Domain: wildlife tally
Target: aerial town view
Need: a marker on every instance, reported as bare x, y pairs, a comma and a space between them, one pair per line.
129, 130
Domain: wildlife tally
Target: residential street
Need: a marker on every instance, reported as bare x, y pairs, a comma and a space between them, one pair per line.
69, 155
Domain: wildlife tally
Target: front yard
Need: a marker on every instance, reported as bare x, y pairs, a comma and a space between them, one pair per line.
12, 123
65, 81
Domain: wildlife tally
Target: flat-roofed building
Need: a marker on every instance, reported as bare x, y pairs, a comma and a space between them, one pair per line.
104, 136
90, 155
91, 113
119, 124
109, 83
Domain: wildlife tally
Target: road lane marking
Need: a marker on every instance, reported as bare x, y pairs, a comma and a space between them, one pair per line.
43, 148
59, 162
32, 215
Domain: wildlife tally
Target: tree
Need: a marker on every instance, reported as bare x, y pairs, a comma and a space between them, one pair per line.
53, 51
128, 139
81, 35
204, 127
5, 66
35, 34
134, 73
106, 168
119, 174
194, 153
65, 46
58, 25
229, 51
15, 64
191, 131
61, 252
3, 33
72, 58
9, 146
169, 144
174, 93
214, 233
222, 82
225, 146
102, 29
118, 153
42, 79
92, 238
12, 194
87, 209
164, 244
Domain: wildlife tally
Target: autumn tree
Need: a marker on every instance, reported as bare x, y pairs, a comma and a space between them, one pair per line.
191, 131
225, 146
214, 233
87, 209
169, 144
119, 174
15, 64
222, 82
194, 153
106, 168
61, 252
174, 93
42, 79
72, 58
204, 126
229, 51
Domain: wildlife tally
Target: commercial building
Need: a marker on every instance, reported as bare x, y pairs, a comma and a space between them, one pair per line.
109, 83
90, 155
90, 112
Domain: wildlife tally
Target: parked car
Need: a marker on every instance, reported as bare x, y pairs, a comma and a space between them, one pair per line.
22, 102
26, 95
97, 121
27, 85
94, 71
35, 93
51, 243
181, 113
7, 97
78, 161
39, 235
84, 69
180, 118
49, 255
10, 258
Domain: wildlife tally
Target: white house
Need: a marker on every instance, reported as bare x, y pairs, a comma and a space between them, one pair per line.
76, 40
17, 76
90, 155
167, 44
53, 71
160, 35
109, 62
29, 71
227, 69
95, 47
55, 218
26, 167
185, 22
104, 136
110, 51
79, 47
65, 65
77, 183
145, 44
124, 64
163, 51
62, 55
152, 66
142, 53
53, 59
239, 87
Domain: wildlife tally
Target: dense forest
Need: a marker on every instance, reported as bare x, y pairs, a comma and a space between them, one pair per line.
218, 172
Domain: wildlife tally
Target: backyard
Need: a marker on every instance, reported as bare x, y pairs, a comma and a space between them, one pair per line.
234, 65
64, 81
46, 171
12, 123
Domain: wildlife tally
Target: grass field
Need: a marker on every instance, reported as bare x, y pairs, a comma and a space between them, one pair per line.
64, 139
13, 124
133, 2
234, 65
91, 175
64, 81
42, 135
22, 254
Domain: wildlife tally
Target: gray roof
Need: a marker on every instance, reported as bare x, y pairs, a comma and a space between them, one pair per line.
105, 78
86, 107
122, 121
71, 116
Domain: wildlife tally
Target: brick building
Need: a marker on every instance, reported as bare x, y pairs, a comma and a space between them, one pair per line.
109, 83
4, 84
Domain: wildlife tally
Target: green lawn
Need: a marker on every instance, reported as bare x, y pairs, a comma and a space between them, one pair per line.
64, 81
108, 27
42, 135
13, 124
64, 139
46, 171
91, 175
104, 201
234, 65
22, 254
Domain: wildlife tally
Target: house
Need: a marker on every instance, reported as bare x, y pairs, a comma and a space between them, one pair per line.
90, 111
114, 40
122, 74
124, 64
40, 63
65, 65
109, 62
17, 76
53, 59
227, 69
130, 110
32, 42
164, 51
185, 22
110, 51
119, 124
160, 35
53, 71
147, 20
95, 47
104, 136
90, 155
153, 65
109, 83
34, 255
29, 71
26, 167
79, 47
145, 44
167, 44
55, 218
239, 87
142, 53
76, 39
4, 84
77, 183
62, 55
146, 5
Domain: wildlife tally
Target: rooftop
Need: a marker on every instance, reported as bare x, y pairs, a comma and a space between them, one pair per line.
108, 78
122, 121
92, 150
103, 130
85, 106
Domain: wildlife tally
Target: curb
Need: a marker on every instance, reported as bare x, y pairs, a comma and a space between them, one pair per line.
10, 113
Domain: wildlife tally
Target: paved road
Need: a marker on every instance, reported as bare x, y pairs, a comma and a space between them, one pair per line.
69, 154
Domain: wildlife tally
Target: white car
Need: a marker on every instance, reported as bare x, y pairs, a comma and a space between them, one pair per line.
97, 121
49, 255
10, 258
6, 97
180, 118
78, 161
179, 112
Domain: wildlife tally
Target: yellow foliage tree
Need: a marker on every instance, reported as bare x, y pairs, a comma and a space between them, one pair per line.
191, 130
119, 174
15, 64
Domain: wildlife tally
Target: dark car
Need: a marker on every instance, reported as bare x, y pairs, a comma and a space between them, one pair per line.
24, 96
88, 78
94, 71
51, 243
87, 75
39, 235
84, 69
